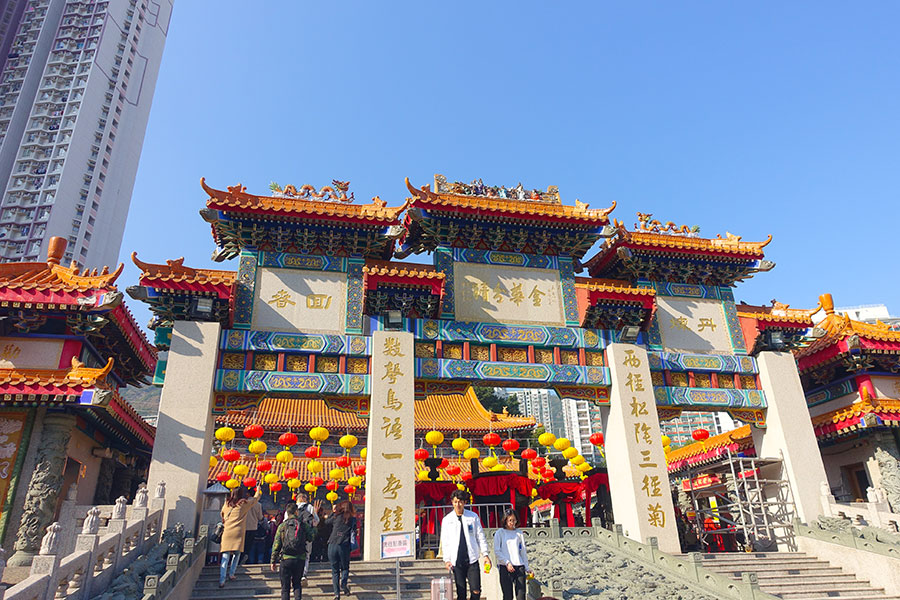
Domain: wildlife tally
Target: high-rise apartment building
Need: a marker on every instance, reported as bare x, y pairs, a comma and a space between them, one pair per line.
680, 429
582, 418
76, 83
544, 406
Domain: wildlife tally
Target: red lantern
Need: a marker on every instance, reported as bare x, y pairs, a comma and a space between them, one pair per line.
453, 470
510, 445
491, 439
698, 434
597, 439
275, 487
291, 474
421, 454
444, 463
222, 477
350, 490
548, 473
331, 486
287, 439
231, 455
539, 462
536, 470
343, 461
250, 482
465, 476
529, 454
317, 481
359, 470
253, 432
264, 466
313, 452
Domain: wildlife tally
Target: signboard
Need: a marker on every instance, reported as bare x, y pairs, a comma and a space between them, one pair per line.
700, 482
294, 299
399, 544
693, 325
30, 353
507, 295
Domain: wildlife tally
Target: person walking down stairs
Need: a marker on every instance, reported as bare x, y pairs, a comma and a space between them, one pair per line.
343, 520
289, 549
234, 514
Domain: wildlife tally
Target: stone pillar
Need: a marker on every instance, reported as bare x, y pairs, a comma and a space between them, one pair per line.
102, 493
184, 430
390, 478
43, 489
638, 477
789, 434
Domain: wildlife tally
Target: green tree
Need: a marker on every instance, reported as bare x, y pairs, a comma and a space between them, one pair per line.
495, 402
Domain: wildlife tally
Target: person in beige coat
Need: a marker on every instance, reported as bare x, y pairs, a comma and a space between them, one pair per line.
234, 517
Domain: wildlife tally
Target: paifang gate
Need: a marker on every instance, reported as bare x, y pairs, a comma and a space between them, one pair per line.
652, 331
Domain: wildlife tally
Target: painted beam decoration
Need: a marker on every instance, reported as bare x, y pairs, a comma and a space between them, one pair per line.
494, 333
438, 368
233, 380
703, 398
715, 363
268, 341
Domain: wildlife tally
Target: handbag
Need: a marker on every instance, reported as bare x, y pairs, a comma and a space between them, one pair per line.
216, 536
354, 543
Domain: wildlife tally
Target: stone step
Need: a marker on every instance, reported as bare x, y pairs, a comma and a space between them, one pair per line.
763, 565
804, 594
818, 572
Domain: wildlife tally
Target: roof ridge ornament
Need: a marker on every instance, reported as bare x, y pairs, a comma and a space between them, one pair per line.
327, 193
646, 224
478, 188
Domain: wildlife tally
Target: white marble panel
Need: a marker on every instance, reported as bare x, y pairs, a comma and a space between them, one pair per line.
507, 295
300, 300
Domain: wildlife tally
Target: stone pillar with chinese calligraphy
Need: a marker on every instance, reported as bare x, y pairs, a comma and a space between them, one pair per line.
390, 470
638, 478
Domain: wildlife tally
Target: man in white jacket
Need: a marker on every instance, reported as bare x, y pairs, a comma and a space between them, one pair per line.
462, 541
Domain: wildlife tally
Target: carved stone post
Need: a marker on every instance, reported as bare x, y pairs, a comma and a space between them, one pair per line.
44, 487
103, 492
88, 540
122, 482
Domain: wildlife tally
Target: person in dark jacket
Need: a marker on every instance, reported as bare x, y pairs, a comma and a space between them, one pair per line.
292, 562
343, 522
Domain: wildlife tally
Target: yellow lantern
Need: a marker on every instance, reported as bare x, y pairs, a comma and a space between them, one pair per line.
584, 467
460, 444
331, 496
348, 442
570, 452
546, 439
423, 475
435, 438
314, 466
561, 444
363, 453
213, 461
336, 474
666, 440
294, 483
318, 435
284, 457
471, 453
534, 492
498, 467
667, 448
577, 460
225, 434
355, 481
270, 478
241, 470
232, 483
257, 447
310, 488
490, 461
460, 486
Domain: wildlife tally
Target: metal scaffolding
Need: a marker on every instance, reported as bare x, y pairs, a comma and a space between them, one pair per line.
754, 507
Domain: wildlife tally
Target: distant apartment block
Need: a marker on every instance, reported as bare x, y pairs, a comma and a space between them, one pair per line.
544, 406
76, 84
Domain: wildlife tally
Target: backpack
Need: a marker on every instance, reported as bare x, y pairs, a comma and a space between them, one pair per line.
304, 515
294, 541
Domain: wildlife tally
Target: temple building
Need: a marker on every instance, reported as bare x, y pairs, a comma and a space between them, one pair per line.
68, 344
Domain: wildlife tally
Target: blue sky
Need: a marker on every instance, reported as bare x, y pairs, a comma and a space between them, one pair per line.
776, 118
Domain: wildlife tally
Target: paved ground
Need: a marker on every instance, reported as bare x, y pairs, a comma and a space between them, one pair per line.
587, 570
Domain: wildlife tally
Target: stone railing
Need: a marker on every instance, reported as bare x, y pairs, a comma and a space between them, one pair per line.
874, 513
686, 569
99, 554
182, 570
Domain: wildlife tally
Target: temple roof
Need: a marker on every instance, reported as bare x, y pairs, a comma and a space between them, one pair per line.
699, 453
539, 205
444, 412
408, 271
639, 254
176, 277
853, 417
64, 382
613, 303
778, 314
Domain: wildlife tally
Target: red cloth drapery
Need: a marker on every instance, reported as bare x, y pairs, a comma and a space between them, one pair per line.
434, 492
496, 484
565, 493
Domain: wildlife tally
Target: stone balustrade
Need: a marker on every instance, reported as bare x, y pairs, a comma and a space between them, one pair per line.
110, 539
182, 570
874, 513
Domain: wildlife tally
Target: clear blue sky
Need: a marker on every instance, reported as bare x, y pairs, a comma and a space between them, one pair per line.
776, 118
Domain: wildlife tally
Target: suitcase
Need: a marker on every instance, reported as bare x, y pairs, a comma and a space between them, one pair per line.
440, 589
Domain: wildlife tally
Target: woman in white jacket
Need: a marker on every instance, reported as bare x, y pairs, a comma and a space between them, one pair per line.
512, 560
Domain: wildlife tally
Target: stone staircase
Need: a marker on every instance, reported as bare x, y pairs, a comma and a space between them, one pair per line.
368, 581
794, 576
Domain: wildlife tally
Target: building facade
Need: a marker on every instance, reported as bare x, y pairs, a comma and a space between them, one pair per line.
582, 418
680, 429
545, 406
76, 85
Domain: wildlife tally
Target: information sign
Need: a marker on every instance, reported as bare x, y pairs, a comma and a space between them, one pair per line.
398, 544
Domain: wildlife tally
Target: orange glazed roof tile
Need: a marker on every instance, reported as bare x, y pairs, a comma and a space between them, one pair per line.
397, 269
236, 199
838, 327
447, 412
868, 405
77, 376
612, 285
174, 271
709, 449
777, 313
522, 208
52, 277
